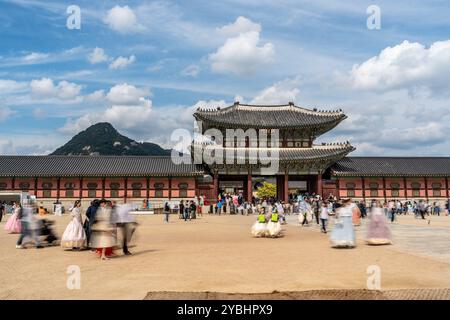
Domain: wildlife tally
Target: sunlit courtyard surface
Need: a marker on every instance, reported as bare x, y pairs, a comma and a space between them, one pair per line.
218, 254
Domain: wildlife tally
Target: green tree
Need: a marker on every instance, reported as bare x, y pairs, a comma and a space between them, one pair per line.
267, 190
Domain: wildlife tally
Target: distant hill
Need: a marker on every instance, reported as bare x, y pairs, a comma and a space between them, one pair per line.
103, 139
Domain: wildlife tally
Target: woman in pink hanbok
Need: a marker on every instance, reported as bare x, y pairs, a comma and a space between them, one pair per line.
378, 232
14, 225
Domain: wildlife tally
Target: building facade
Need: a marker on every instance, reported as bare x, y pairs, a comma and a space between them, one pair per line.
289, 134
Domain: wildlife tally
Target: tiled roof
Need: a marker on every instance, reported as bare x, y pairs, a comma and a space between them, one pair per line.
392, 166
270, 116
94, 166
317, 152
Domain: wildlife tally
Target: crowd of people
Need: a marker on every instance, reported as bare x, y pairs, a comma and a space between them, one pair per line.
104, 219
98, 232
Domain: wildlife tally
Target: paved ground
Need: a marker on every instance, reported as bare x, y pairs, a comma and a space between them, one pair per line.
218, 255
350, 294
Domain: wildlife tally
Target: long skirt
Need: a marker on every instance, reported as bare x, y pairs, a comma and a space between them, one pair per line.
13, 225
274, 228
343, 234
74, 235
378, 232
259, 229
103, 239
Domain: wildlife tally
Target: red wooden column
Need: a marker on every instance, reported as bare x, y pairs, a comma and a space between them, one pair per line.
36, 186
170, 188
58, 188
216, 184
81, 188
147, 189
126, 190
103, 187
426, 187
249, 186
363, 186
384, 189
286, 186
319, 185
405, 188
446, 187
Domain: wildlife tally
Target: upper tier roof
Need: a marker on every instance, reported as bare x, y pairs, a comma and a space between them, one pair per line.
270, 117
35, 166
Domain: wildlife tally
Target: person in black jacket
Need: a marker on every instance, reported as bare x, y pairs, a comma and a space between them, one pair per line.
90, 217
2, 210
193, 210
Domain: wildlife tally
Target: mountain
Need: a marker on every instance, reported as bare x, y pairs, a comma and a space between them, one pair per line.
103, 139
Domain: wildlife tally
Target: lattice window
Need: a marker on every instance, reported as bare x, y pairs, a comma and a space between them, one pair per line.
436, 189
373, 186
350, 189
24, 186
159, 187
395, 189
415, 186
183, 189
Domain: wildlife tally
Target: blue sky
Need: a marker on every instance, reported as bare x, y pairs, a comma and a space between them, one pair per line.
145, 66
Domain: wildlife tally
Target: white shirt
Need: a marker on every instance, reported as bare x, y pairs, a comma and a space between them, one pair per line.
324, 213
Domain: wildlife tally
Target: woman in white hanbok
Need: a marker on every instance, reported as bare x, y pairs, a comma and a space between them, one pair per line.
274, 225
259, 228
343, 234
74, 236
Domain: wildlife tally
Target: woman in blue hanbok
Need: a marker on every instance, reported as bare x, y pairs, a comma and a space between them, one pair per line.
343, 234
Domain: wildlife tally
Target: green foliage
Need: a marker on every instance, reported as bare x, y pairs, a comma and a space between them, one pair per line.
103, 139
267, 190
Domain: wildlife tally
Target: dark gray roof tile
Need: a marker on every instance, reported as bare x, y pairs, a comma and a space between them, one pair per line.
392, 166
94, 166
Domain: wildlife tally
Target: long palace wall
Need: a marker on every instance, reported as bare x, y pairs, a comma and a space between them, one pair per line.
158, 189
394, 188
136, 189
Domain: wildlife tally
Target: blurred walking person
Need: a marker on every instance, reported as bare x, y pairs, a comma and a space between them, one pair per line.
343, 234
125, 222
103, 237
29, 225
378, 232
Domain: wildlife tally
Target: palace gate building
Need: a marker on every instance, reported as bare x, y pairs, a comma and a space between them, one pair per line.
301, 165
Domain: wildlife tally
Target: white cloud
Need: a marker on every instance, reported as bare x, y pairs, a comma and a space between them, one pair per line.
125, 94
279, 93
242, 54
6, 147
10, 86
5, 113
97, 56
130, 108
122, 20
45, 88
35, 56
122, 62
425, 134
96, 96
405, 65
241, 25
191, 71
